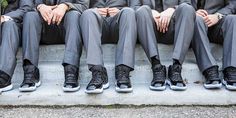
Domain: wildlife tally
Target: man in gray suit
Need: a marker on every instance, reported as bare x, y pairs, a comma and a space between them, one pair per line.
167, 21
58, 22
108, 21
11, 22
215, 23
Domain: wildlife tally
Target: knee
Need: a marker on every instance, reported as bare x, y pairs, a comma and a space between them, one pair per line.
72, 17
128, 12
9, 24
31, 17
231, 19
199, 22
87, 14
186, 9
143, 11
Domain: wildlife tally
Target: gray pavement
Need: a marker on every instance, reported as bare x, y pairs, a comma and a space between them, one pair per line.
119, 112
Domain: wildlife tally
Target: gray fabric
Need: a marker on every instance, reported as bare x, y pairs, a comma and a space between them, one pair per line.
97, 29
165, 3
10, 42
33, 27
147, 31
180, 31
221, 6
222, 33
114, 3
78, 5
11, 33
18, 9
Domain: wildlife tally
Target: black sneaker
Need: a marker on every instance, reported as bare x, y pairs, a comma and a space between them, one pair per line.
5, 82
99, 80
123, 83
212, 78
230, 78
176, 81
31, 79
71, 83
159, 78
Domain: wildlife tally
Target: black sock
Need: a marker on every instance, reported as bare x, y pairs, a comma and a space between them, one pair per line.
176, 62
155, 61
27, 62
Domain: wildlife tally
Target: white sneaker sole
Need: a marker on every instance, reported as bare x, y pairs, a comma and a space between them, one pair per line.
127, 90
70, 89
158, 88
97, 91
7, 88
212, 86
176, 88
30, 89
229, 87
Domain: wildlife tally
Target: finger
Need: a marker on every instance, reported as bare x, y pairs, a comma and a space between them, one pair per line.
204, 12
159, 24
163, 24
200, 14
59, 20
54, 18
168, 23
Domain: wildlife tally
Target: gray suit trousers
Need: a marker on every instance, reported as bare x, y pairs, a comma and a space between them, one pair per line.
120, 29
34, 27
11, 33
222, 33
180, 31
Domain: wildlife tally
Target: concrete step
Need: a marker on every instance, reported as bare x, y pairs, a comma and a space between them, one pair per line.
52, 76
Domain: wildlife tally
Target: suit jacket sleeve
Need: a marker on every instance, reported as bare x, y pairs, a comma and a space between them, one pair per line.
78, 5
24, 6
230, 8
135, 4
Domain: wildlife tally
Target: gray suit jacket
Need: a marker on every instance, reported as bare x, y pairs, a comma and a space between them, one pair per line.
18, 8
221, 6
78, 5
165, 3
114, 3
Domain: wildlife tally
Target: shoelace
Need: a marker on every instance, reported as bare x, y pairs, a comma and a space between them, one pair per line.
176, 75
70, 78
97, 78
213, 76
122, 75
159, 74
28, 77
230, 75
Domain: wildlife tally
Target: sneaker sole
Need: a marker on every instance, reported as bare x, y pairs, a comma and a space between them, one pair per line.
176, 88
158, 88
229, 87
128, 90
98, 91
30, 89
212, 86
71, 89
7, 88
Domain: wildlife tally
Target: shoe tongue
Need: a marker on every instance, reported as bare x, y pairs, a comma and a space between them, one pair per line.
231, 69
157, 67
70, 69
177, 68
97, 68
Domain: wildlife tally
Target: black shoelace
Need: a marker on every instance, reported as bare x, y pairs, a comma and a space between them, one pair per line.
97, 78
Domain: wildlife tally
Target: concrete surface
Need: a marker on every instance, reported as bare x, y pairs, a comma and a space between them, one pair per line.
124, 112
52, 76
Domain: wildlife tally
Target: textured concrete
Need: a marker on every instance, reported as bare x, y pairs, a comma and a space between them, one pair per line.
123, 112
50, 93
